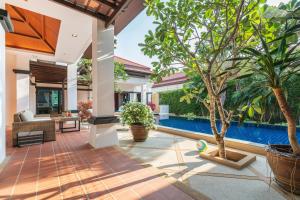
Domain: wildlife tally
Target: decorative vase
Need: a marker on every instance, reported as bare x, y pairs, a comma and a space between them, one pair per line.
139, 132
285, 166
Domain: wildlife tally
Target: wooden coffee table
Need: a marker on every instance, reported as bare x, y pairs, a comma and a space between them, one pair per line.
62, 120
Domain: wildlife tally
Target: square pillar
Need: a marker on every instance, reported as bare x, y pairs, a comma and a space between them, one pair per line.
32, 96
72, 87
2, 94
103, 133
144, 90
23, 92
132, 97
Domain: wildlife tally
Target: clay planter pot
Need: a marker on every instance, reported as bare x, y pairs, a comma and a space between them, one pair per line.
285, 166
139, 132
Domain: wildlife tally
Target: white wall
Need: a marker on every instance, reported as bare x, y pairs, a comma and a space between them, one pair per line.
167, 88
32, 99
82, 96
72, 87
11, 95
22, 83
2, 95
134, 80
22, 62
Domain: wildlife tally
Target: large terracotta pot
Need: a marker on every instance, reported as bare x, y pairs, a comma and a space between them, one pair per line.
285, 166
139, 132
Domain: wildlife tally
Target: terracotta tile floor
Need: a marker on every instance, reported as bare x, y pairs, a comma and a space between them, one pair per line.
70, 169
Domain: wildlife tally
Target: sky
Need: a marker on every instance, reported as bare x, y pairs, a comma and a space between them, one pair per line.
133, 34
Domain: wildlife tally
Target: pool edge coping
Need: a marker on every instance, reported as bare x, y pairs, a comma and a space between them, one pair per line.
250, 147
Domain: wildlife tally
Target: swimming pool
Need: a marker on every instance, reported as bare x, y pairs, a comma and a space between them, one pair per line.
263, 134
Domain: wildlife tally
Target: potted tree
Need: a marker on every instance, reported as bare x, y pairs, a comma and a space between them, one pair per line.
140, 118
275, 62
200, 36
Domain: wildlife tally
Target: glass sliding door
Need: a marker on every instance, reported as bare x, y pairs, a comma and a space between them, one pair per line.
48, 100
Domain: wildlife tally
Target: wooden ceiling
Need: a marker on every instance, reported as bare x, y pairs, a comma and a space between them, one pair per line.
32, 31
106, 10
47, 72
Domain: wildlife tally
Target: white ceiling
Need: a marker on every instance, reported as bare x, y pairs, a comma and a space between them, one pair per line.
69, 49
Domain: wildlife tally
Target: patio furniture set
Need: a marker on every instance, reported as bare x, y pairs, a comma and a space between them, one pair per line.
29, 129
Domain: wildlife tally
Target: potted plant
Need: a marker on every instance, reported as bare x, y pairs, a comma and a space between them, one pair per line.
152, 106
140, 119
84, 109
275, 62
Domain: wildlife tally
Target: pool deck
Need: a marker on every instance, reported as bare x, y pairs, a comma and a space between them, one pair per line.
177, 157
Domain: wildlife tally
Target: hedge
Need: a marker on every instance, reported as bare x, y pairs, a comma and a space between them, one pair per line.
172, 98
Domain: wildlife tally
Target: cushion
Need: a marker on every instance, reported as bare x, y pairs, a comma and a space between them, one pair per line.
27, 116
39, 119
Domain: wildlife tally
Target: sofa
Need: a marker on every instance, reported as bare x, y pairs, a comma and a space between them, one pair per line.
25, 121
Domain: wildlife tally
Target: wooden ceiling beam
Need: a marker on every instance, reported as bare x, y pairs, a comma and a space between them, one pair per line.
48, 72
41, 37
29, 49
52, 71
112, 5
18, 12
88, 4
34, 64
44, 28
42, 71
81, 9
114, 15
25, 35
99, 7
17, 20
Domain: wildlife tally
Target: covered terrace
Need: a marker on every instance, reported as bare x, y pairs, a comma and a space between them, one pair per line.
42, 41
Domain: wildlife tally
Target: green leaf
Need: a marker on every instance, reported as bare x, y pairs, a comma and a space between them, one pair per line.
257, 109
256, 99
244, 108
251, 112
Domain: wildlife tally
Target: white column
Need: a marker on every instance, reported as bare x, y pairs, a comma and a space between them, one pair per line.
23, 92
72, 87
103, 84
32, 96
144, 93
132, 97
2, 95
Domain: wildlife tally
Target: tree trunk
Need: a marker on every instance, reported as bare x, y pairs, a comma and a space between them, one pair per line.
221, 147
212, 116
289, 118
213, 125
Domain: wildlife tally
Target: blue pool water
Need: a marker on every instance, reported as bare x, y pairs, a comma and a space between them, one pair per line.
263, 134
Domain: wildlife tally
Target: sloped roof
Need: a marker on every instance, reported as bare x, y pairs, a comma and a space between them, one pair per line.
174, 79
133, 66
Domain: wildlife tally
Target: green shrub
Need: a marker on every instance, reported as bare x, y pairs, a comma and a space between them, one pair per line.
137, 113
172, 98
